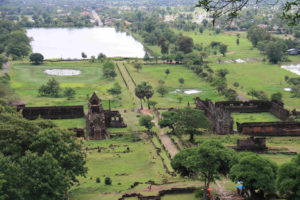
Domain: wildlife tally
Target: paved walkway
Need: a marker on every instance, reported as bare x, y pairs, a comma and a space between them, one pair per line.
97, 18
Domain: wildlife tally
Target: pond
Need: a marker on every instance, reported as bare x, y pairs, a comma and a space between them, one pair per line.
187, 91
292, 68
71, 42
62, 72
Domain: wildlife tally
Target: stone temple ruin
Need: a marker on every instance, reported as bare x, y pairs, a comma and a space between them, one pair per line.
220, 116
97, 119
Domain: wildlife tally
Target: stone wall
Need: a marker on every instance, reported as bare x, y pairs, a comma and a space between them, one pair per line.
279, 111
270, 128
113, 119
252, 106
52, 112
252, 144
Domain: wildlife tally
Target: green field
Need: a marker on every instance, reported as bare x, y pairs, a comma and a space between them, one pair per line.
141, 164
253, 117
26, 80
154, 73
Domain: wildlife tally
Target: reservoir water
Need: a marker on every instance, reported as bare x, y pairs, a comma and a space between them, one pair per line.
70, 42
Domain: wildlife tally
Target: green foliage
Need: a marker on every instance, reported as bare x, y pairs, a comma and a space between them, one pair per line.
274, 51
109, 69
256, 34
167, 72
146, 121
83, 55
144, 90
101, 56
108, 181
222, 73
185, 44
207, 161
138, 66
36, 58
181, 81
295, 91
3, 60
115, 90
260, 95
98, 180
169, 118
223, 49
276, 96
288, 180
69, 93
257, 173
51, 89
162, 90
38, 155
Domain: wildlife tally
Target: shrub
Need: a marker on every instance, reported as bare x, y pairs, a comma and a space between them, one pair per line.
236, 84
98, 180
108, 181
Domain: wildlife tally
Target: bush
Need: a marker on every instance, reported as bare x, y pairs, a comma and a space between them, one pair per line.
69, 93
36, 58
98, 180
199, 192
108, 181
236, 84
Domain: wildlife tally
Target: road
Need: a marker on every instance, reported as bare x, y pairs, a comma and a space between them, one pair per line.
97, 18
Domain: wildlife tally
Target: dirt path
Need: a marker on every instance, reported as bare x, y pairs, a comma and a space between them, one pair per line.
224, 194
165, 139
5, 69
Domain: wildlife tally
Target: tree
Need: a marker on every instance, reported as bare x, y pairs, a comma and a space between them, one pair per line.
138, 66
274, 51
167, 72
164, 49
237, 41
36, 58
142, 91
101, 56
109, 70
189, 120
185, 44
256, 34
69, 93
222, 73
3, 59
162, 90
83, 55
39, 155
231, 8
51, 89
181, 81
223, 49
258, 174
207, 161
169, 118
288, 180
276, 96
115, 90
146, 121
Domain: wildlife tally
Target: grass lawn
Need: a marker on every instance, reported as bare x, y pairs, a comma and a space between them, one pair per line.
26, 80
179, 197
140, 165
253, 117
259, 76
71, 123
154, 73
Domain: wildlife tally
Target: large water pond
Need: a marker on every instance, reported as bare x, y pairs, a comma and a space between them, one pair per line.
70, 42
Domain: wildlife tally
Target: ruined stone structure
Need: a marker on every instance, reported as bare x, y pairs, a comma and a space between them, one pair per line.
98, 119
222, 122
251, 144
219, 115
270, 128
52, 112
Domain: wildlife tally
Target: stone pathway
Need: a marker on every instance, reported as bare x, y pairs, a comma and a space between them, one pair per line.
165, 139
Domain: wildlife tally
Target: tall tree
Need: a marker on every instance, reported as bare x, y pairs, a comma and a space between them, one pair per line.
288, 181
207, 161
223, 49
185, 44
258, 174
36, 58
142, 91
256, 34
